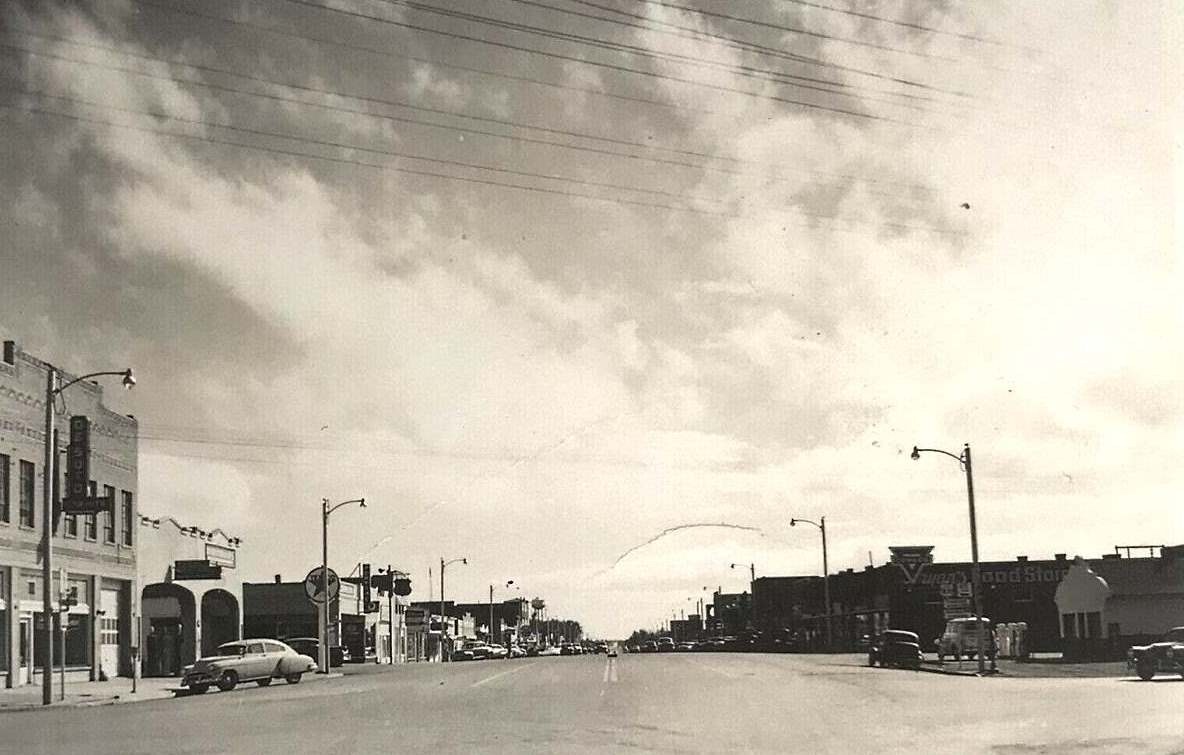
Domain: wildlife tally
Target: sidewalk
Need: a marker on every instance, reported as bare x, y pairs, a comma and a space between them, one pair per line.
80, 692
83, 693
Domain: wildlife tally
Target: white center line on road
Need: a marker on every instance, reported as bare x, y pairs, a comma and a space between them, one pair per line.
500, 674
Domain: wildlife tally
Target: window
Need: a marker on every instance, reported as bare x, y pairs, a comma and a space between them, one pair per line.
1093, 624
27, 487
1069, 626
71, 525
89, 525
127, 517
5, 511
109, 516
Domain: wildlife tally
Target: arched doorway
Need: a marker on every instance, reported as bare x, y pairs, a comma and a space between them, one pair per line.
219, 620
170, 629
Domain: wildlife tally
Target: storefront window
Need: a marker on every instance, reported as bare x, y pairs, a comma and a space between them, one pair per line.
90, 527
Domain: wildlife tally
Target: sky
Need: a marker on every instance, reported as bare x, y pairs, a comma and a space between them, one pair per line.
548, 281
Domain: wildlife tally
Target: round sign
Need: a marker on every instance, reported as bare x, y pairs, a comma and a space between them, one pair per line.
537, 604
316, 589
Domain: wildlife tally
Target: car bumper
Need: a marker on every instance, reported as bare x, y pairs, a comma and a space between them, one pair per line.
198, 677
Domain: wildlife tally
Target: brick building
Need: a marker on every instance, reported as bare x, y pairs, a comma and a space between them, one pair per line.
96, 553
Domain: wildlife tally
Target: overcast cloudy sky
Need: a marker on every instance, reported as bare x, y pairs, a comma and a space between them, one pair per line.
541, 286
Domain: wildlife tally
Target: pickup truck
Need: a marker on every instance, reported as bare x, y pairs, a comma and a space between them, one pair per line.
1165, 655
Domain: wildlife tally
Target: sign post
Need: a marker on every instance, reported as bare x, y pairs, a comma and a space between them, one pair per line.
322, 586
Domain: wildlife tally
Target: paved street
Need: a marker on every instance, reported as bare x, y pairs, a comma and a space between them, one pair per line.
647, 703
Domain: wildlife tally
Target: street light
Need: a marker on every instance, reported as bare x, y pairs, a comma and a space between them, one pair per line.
821, 524
975, 575
326, 510
49, 474
443, 564
491, 613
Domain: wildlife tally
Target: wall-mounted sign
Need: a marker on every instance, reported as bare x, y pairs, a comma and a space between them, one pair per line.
221, 555
196, 569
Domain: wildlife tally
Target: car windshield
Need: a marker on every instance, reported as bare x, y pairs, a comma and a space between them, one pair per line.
232, 648
899, 637
1175, 635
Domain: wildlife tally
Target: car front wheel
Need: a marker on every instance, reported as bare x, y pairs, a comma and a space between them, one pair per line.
292, 678
228, 681
1145, 669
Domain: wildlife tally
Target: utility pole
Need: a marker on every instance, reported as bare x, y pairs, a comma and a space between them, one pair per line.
390, 612
51, 377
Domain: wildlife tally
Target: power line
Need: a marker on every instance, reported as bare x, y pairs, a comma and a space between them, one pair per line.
610, 66
438, 111
418, 59
635, 50
745, 46
471, 166
791, 29
895, 22
594, 41
359, 163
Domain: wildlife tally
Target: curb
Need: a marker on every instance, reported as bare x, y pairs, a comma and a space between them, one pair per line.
166, 693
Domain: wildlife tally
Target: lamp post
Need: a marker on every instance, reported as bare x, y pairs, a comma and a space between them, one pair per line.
443, 564
975, 576
326, 510
821, 525
48, 477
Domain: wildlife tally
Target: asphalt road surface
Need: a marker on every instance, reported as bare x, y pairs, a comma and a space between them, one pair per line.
636, 703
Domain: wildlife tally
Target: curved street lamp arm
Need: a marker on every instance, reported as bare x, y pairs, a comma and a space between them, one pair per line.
453, 561
330, 510
918, 451
805, 521
125, 374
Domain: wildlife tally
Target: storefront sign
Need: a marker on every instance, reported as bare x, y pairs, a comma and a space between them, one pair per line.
196, 569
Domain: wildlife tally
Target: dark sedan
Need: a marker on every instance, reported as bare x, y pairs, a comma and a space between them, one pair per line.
895, 647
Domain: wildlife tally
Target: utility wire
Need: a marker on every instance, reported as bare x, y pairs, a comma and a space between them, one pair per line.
612, 66
595, 41
417, 59
432, 124
895, 22
832, 86
358, 148
476, 166
777, 27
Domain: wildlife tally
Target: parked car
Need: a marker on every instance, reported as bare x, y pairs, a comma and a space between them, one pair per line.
461, 654
311, 647
895, 647
498, 652
1165, 655
666, 644
649, 646
600, 647
517, 651
961, 639
685, 647
479, 649
257, 661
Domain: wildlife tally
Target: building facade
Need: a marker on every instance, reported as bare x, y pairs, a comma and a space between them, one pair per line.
190, 593
94, 557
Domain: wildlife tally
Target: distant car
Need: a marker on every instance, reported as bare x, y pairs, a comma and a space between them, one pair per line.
895, 647
311, 647
479, 649
612, 651
666, 644
497, 651
685, 647
649, 646
633, 648
551, 650
517, 651
1165, 655
257, 661
961, 639
600, 647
